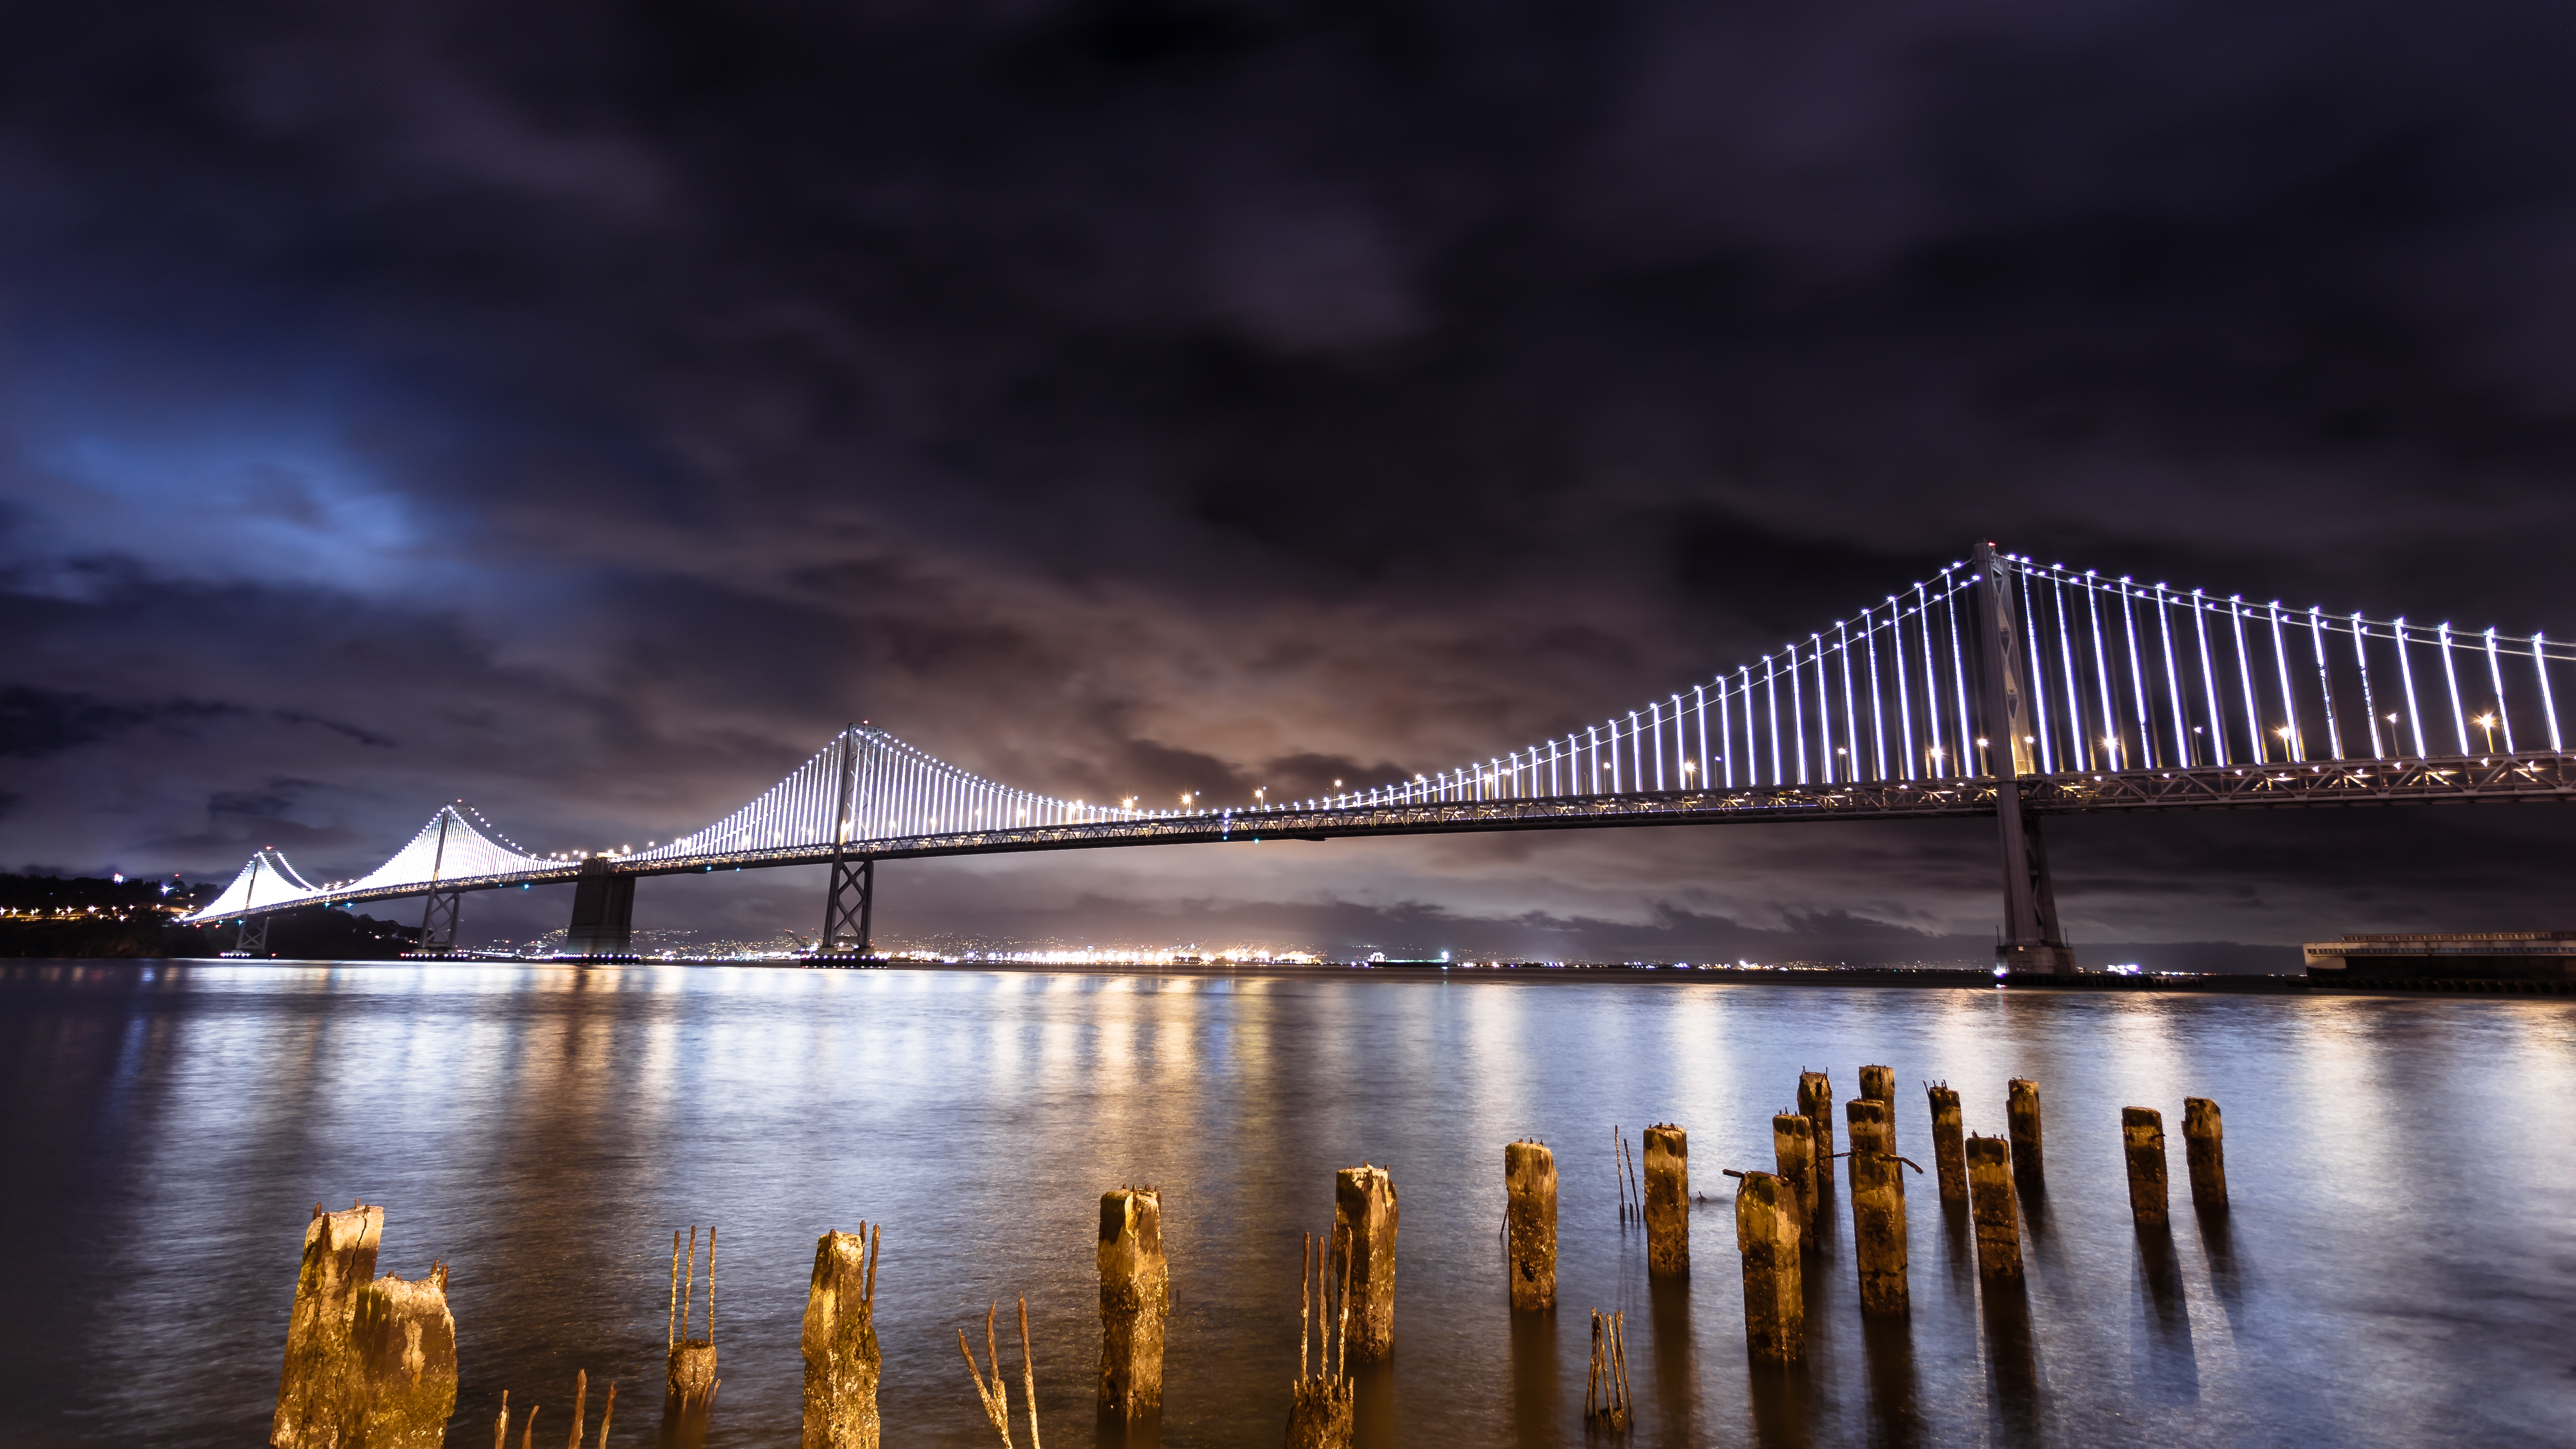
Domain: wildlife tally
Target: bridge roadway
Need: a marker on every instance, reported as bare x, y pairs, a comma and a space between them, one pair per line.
2493, 779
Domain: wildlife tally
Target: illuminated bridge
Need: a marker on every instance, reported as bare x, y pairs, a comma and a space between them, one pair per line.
2002, 688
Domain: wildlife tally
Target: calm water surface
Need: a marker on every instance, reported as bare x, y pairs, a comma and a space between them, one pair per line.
2399, 1267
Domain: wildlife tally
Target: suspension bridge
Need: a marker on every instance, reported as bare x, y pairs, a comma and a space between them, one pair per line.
2002, 688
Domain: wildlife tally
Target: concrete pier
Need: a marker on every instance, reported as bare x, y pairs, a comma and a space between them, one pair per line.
1529, 1224
842, 1359
2142, 1141
318, 1394
2205, 1153
1667, 1201
1949, 1157
1816, 1104
1878, 1209
1793, 1154
1135, 1302
1990, 1192
603, 912
2021, 1112
1364, 1228
1767, 1234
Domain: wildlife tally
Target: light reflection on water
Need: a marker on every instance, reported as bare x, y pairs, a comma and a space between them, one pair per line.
2400, 1266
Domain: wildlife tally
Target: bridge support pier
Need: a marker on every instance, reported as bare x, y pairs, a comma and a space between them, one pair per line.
252, 938
603, 912
2031, 941
849, 908
438, 921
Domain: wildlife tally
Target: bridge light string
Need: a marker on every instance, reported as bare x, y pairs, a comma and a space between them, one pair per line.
2279, 711
2101, 670
2291, 736
2495, 674
2451, 678
2325, 680
2548, 704
1931, 683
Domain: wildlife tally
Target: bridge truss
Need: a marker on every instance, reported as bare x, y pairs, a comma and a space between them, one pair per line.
1999, 688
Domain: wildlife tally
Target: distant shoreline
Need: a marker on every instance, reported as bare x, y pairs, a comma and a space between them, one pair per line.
1569, 975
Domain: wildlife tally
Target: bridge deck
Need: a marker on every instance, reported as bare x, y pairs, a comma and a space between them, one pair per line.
2497, 779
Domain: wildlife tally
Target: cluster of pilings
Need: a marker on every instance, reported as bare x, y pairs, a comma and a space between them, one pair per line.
1779, 1215
371, 1361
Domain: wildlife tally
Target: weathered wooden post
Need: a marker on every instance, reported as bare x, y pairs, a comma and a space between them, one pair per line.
1990, 1192
1816, 1103
1606, 1401
1135, 1302
690, 1381
2205, 1154
1667, 1201
1878, 1209
1793, 1153
403, 1341
841, 1355
1767, 1234
2021, 1111
369, 1360
2142, 1139
1878, 1084
1949, 1157
1529, 1224
1364, 1226
1322, 1406
317, 1394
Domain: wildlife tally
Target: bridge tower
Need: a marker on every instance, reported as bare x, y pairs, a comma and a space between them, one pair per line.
2031, 941
438, 916
849, 905
252, 937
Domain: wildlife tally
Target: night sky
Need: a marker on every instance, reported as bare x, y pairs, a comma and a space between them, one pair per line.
585, 410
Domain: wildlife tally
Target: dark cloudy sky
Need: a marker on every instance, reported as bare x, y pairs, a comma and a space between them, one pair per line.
585, 409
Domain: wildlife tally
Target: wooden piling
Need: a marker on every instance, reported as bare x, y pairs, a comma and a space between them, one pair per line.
1667, 1201
1768, 1235
1949, 1157
1322, 1405
1990, 1192
2205, 1153
1878, 1084
2142, 1139
842, 1359
1878, 1209
1816, 1103
1364, 1229
403, 1343
1793, 1153
689, 1383
2021, 1111
318, 1394
1606, 1402
996, 1394
1135, 1302
1529, 1224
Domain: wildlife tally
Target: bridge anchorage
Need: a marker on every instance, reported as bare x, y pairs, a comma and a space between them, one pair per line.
2002, 687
